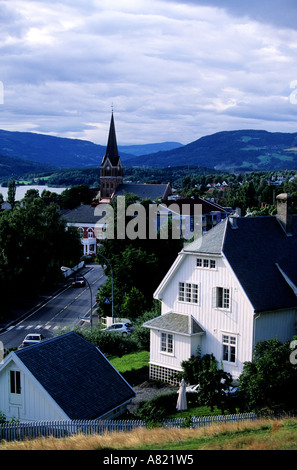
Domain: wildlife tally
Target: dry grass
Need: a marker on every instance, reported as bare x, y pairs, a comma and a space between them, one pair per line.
260, 435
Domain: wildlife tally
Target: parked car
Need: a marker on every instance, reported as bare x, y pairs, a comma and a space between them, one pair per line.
32, 339
78, 282
122, 328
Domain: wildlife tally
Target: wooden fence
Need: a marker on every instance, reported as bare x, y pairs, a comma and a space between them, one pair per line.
21, 431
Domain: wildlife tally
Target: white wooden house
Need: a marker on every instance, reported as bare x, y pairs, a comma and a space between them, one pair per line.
63, 378
226, 291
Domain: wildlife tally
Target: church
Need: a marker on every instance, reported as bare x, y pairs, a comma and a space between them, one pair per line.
111, 176
84, 216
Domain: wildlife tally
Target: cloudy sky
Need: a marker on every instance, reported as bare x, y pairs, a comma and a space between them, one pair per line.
173, 70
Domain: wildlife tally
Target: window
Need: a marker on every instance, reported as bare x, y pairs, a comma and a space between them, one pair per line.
167, 343
206, 263
221, 298
188, 292
229, 348
15, 381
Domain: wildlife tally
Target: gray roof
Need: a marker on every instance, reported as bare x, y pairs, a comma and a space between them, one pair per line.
175, 322
144, 191
256, 249
83, 214
77, 376
211, 242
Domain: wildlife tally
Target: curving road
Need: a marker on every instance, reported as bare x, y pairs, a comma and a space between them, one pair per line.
67, 308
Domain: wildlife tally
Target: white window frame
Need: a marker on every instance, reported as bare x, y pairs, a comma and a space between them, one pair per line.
221, 298
166, 343
229, 348
206, 263
188, 292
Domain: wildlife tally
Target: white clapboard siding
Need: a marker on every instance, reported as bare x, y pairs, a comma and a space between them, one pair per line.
238, 320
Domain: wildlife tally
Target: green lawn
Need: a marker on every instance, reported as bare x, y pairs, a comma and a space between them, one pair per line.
129, 362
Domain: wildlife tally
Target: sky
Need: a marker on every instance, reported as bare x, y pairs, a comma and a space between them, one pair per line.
171, 70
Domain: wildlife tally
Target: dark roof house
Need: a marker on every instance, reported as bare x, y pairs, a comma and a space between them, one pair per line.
65, 377
238, 282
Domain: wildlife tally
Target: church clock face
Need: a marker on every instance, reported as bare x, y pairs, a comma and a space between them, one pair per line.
108, 167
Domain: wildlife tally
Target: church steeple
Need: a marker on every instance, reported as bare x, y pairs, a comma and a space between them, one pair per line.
112, 146
111, 170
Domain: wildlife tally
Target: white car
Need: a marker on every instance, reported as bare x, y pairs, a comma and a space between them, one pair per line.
123, 328
32, 339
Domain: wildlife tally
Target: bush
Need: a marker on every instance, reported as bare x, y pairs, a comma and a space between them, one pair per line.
158, 407
108, 342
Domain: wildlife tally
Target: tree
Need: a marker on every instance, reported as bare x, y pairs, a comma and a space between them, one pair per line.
269, 381
34, 244
213, 381
138, 265
73, 197
11, 193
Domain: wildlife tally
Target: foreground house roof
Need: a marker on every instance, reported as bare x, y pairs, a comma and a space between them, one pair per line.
77, 376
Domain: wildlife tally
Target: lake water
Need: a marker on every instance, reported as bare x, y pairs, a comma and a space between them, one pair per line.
21, 191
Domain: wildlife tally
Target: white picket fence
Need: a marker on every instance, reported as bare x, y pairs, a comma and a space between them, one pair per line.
21, 431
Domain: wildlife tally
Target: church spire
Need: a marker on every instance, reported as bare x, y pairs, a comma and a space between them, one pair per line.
111, 169
112, 147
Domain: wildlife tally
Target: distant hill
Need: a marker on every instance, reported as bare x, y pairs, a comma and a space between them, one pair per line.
243, 150
148, 149
17, 167
63, 152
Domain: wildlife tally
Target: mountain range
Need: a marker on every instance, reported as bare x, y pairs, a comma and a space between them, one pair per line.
239, 150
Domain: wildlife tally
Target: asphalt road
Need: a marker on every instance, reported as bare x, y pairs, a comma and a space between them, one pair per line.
67, 308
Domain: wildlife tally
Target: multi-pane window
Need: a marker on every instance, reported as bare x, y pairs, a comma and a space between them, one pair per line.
15, 381
206, 263
229, 348
188, 292
222, 298
167, 343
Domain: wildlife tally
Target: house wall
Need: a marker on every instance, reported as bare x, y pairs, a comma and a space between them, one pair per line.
30, 404
237, 321
181, 351
278, 324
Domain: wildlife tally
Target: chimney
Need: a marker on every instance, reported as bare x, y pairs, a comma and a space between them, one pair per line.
284, 216
233, 218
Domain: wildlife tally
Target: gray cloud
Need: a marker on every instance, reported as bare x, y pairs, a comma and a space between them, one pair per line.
173, 70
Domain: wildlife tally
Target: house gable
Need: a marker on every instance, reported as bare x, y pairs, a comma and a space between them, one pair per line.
77, 376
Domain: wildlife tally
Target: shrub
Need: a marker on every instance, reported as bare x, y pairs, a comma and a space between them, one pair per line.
158, 407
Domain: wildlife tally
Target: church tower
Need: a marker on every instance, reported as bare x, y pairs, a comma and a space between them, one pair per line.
111, 169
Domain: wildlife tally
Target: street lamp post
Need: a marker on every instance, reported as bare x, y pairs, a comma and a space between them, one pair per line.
112, 299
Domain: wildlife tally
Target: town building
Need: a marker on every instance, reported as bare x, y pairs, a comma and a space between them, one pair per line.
226, 291
63, 378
